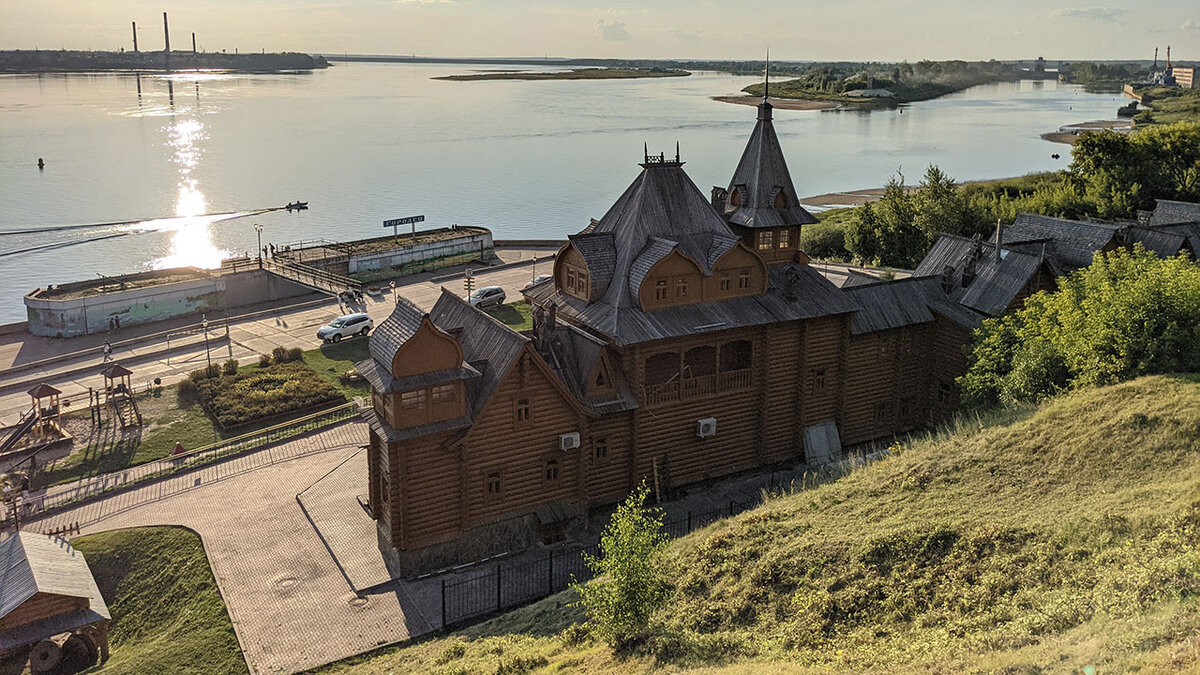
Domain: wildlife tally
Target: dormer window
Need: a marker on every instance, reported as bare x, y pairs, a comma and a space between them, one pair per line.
735, 197
681, 287
785, 237
781, 200
661, 292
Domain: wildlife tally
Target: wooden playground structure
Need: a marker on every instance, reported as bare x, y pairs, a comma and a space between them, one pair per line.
116, 397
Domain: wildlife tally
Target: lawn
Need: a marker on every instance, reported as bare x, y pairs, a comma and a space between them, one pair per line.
168, 615
333, 361
516, 315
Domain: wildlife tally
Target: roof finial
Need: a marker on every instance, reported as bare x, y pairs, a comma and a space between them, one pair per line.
676, 151
767, 74
646, 151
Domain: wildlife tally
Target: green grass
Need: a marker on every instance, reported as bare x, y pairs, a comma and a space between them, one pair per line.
576, 74
332, 361
1169, 105
516, 315
270, 393
168, 615
1032, 541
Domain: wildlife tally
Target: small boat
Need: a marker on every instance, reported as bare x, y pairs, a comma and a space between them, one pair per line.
297, 206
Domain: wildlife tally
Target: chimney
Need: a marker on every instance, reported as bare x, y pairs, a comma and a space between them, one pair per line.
718, 198
193, 42
999, 232
134, 36
166, 35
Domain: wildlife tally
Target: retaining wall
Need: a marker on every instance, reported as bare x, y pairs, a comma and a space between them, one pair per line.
209, 291
477, 244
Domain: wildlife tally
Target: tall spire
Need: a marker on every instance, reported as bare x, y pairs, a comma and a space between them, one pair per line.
767, 75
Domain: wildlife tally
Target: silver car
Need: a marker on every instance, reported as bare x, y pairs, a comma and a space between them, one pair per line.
488, 296
346, 326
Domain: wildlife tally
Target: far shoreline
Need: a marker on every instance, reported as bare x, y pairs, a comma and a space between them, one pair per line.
854, 198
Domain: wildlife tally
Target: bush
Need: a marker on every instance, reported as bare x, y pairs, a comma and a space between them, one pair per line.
1128, 314
631, 582
235, 400
210, 371
295, 354
187, 389
197, 375
263, 360
279, 355
230, 367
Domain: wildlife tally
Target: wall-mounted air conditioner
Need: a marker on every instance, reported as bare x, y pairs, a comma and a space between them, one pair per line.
568, 441
707, 427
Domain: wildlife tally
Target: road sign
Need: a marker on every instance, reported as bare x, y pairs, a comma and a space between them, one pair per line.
404, 221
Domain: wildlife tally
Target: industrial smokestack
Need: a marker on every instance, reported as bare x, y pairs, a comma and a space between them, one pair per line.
166, 35
998, 234
134, 36
193, 42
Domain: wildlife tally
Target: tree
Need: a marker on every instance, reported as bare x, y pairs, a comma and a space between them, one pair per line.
1127, 314
630, 583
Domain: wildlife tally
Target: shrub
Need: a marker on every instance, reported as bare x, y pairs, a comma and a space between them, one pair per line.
197, 375
187, 389
263, 360
295, 354
230, 367
630, 581
279, 355
246, 397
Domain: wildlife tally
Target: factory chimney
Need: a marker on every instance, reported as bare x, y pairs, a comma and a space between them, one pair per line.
134, 36
166, 35
193, 42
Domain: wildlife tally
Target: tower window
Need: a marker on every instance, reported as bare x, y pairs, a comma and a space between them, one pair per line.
766, 240
660, 289
521, 411
785, 238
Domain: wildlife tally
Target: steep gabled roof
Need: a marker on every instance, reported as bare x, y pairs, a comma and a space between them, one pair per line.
1074, 242
1163, 240
34, 563
995, 284
394, 331
905, 302
761, 175
1168, 212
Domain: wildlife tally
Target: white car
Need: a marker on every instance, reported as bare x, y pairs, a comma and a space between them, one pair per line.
346, 326
537, 280
488, 296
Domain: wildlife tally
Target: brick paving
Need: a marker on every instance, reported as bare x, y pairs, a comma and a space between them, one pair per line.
290, 605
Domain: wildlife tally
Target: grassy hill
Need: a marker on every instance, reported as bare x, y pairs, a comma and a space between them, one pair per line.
168, 615
1049, 541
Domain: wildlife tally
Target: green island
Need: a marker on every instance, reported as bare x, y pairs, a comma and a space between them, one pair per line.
884, 85
168, 615
81, 61
1050, 537
576, 74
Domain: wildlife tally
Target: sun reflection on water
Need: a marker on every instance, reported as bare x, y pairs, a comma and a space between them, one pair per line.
192, 242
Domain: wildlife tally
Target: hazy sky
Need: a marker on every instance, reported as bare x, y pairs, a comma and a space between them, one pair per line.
853, 30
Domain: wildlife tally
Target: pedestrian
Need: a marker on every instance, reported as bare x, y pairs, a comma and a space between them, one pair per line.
117, 322
110, 324
24, 482
107, 352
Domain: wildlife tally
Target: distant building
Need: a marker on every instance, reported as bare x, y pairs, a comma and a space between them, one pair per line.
1072, 244
1185, 76
871, 93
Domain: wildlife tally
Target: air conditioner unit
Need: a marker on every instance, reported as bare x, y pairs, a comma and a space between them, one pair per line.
568, 441
707, 427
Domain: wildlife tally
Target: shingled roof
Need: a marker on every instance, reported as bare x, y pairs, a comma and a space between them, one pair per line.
905, 302
995, 283
34, 563
795, 292
761, 175
1072, 243
1168, 212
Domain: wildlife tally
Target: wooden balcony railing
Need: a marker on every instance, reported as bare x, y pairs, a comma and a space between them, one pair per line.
696, 387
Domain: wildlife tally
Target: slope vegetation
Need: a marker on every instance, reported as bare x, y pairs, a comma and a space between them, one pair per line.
168, 615
1049, 541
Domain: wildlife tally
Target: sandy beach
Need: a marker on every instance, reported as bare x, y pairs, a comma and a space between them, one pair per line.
832, 200
780, 103
1070, 133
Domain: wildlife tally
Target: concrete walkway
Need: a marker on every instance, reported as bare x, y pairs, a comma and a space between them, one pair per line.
291, 607
254, 331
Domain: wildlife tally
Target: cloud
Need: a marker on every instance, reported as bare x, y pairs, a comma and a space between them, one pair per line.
1096, 13
612, 31
1190, 24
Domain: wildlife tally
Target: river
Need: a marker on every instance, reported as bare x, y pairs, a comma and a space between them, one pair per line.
367, 142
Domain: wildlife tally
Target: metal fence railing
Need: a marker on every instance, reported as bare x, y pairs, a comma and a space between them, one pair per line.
513, 583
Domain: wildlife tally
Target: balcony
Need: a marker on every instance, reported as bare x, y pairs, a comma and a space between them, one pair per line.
697, 387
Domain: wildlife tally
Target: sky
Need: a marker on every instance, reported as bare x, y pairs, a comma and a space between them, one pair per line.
801, 30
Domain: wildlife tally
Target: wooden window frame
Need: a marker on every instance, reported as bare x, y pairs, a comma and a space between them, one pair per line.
490, 475
744, 276
551, 470
522, 411
599, 448
785, 238
438, 394
818, 379
765, 240
570, 278
681, 287
726, 282
662, 290
421, 396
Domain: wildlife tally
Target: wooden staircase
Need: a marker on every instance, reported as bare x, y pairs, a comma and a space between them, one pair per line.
126, 410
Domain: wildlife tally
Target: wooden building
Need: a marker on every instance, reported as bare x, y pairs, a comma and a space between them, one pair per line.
1174, 228
50, 604
679, 339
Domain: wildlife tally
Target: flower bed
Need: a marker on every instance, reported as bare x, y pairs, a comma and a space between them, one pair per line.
263, 393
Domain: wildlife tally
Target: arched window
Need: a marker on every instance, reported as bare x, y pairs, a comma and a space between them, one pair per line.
700, 361
736, 355
662, 368
735, 197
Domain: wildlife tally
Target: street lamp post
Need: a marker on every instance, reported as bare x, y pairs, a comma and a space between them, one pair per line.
258, 231
204, 324
534, 269
392, 283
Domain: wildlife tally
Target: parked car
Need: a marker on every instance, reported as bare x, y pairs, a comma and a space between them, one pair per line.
346, 326
537, 280
488, 296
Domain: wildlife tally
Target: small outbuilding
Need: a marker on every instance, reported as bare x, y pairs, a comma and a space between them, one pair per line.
50, 605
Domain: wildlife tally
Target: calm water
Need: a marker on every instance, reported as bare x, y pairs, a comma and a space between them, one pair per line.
367, 142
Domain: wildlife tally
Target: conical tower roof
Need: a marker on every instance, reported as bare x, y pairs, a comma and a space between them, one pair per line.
761, 178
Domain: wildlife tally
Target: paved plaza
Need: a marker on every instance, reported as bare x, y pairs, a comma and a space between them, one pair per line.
290, 604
